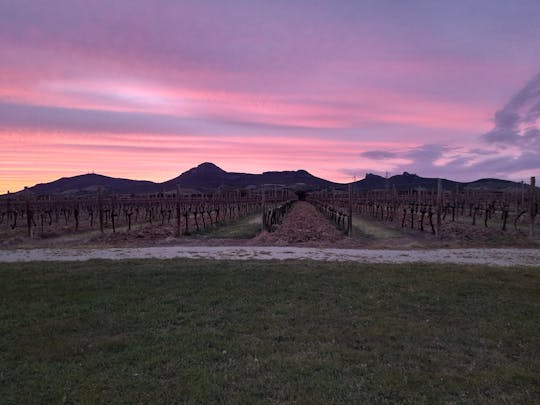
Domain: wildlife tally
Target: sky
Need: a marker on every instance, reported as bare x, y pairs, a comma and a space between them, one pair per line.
148, 89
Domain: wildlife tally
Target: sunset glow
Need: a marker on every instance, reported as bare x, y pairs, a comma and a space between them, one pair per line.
148, 90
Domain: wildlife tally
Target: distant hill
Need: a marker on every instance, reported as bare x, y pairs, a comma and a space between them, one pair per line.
207, 176
90, 183
492, 184
407, 181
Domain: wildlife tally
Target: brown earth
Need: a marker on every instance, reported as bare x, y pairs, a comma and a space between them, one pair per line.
462, 233
304, 225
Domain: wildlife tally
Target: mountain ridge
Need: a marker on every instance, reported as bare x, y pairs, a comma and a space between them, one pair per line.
208, 176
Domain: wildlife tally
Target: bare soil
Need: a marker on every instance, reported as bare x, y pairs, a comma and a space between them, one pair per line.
304, 225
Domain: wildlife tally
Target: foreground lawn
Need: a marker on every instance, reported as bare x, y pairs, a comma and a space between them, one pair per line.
206, 331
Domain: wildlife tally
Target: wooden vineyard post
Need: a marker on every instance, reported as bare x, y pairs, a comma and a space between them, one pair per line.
455, 203
532, 205
113, 214
178, 212
522, 201
263, 210
76, 216
349, 224
439, 206
100, 210
29, 215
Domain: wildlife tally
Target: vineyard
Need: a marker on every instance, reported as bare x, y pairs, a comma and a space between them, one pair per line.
437, 214
176, 213
434, 211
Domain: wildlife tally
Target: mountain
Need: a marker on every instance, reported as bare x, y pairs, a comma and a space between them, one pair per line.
494, 184
207, 176
90, 183
407, 181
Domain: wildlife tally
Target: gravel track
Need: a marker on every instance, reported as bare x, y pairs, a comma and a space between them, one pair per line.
492, 257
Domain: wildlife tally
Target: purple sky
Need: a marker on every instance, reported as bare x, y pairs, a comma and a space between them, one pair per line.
149, 89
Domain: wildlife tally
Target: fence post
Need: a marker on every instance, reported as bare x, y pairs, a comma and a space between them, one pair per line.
29, 215
263, 209
100, 210
439, 206
532, 205
349, 224
178, 212
522, 195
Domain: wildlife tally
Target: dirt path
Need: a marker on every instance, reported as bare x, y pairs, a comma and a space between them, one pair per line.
304, 225
493, 257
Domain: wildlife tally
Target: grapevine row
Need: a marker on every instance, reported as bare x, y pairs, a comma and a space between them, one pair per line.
187, 213
430, 210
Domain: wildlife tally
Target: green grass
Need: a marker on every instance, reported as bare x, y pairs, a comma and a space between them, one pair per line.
245, 228
373, 230
153, 331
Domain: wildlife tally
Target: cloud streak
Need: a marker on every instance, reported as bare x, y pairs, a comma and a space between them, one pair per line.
517, 123
512, 146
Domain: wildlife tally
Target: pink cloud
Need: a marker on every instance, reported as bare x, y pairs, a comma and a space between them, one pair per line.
252, 86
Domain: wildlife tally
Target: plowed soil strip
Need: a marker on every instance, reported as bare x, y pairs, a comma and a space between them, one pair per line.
304, 225
492, 257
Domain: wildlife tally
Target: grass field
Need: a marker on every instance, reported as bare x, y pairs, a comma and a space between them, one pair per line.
307, 332
373, 229
244, 228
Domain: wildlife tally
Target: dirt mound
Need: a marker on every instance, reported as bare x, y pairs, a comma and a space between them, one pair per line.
303, 225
